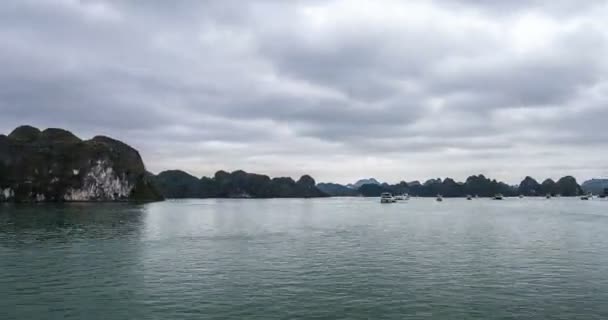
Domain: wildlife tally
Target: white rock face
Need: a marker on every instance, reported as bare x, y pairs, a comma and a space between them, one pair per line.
100, 183
7, 194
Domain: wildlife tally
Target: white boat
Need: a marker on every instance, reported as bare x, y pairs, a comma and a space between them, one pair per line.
498, 196
439, 198
387, 198
404, 196
469, 197
587, 197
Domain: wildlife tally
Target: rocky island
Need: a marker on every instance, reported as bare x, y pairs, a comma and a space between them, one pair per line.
54, 165
474, 185
237, 184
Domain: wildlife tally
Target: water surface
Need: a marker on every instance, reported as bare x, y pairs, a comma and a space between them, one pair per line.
349, 258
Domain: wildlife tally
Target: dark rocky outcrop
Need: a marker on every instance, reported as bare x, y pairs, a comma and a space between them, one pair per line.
177, 184
373, 190
474, 185
565, 186
485, 187
238, 184
55, 165
529, 187
448, 187
548, 187
568, 187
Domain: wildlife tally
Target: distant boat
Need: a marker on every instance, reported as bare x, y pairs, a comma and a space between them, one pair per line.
476, 197
548, 196
498, 196
469, 197
402, 197
387, 198
586, 197
439, 198
521, 196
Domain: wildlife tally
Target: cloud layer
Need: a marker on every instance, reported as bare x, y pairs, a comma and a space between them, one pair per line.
338, 89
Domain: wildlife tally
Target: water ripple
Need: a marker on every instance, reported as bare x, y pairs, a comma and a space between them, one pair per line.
305, 259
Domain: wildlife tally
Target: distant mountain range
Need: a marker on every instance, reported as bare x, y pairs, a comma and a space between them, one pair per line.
595, 186
474, 185
237, 184
55, 165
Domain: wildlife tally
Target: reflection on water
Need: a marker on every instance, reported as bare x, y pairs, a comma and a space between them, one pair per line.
306, 259
69, 260
69, 222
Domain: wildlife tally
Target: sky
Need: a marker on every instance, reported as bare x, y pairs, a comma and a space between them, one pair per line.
340, 90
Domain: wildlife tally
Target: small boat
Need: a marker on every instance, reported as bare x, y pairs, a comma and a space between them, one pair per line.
498, 197
401, 197
387, 198
548, 196
439, 198
476, 197
521, 196
587, 197
469, 197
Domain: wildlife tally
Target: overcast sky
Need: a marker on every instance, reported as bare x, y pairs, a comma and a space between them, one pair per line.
397, 90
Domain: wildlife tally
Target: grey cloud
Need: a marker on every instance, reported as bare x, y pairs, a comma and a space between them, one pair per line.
558, 7
260, 84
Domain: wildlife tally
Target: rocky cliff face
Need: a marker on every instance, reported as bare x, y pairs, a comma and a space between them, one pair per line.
55, 165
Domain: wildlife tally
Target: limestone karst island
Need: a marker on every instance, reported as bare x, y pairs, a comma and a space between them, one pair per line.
54, 165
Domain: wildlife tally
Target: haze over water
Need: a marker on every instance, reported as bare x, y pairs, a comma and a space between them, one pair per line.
348, 258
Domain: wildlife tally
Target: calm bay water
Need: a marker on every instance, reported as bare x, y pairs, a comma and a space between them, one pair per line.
348, 258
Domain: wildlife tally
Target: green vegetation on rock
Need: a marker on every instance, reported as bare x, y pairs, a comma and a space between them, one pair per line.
55, 165
238, 184
474, 185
